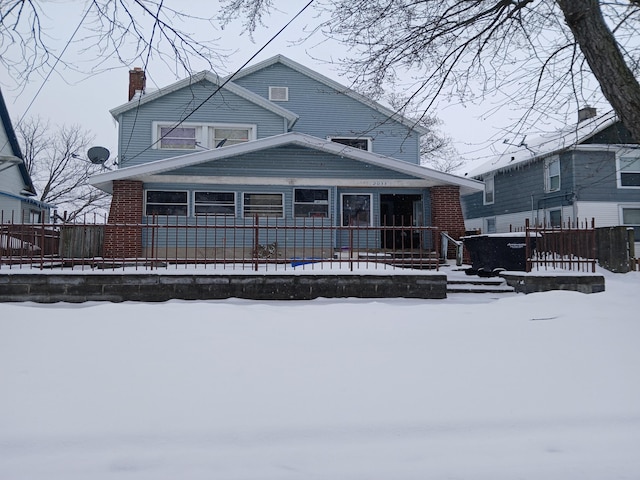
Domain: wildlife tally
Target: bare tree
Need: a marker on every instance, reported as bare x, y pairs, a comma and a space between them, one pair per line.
55, 159
436, 148
545, 55
109, 33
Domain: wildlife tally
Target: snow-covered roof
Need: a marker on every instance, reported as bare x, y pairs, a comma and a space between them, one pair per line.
149, 171
534, 148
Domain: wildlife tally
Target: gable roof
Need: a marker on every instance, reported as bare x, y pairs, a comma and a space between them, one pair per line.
149, 171
332, 84
542, 146
214, 79
15, 147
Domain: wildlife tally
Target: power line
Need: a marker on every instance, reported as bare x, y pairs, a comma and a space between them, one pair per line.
227, 80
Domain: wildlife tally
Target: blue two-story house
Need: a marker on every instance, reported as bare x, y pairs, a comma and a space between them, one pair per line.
278, 141
590, 170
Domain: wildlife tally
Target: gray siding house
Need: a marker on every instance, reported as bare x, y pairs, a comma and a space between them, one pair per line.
277, 141
17, 193
588, 170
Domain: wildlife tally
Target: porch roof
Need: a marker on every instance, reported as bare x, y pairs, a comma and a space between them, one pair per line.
157, 171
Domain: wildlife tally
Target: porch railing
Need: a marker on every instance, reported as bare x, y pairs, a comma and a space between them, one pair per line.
218, 242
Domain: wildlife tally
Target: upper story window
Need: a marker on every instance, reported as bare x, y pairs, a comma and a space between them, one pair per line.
192, 136
628, 169
489, 190
179, 138
163, 202
552, 174
279, 94
311, 202
363, 143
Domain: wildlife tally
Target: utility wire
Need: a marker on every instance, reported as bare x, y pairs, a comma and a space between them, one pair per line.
46, 79
227, 80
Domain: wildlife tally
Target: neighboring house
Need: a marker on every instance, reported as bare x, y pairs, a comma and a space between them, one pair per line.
277, 140
588, 170
17, 202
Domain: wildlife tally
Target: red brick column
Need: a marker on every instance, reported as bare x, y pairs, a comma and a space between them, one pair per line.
446, 213
123, 234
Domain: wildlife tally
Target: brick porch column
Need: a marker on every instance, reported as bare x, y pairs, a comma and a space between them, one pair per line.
123, 236
446, 214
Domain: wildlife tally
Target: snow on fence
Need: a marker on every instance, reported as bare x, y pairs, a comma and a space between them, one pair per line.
222, 242
569, 246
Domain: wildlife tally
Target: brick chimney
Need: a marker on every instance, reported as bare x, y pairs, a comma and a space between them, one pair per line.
137, 81
586, 113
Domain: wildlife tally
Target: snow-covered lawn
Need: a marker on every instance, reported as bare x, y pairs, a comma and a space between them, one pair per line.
543, 386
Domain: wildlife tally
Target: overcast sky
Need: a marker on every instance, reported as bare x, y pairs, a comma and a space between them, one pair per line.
67, 97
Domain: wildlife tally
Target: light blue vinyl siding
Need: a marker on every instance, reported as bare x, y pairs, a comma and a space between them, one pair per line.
244, 234
136, 125
584, 176
520, 189
291, 162
596, 179
325, 112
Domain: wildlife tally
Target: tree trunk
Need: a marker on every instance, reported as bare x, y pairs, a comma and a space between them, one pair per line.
599, 46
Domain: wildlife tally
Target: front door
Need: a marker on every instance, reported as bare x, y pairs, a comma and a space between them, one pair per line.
398, 213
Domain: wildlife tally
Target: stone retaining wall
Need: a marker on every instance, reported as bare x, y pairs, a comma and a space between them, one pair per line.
531, 283
49, 288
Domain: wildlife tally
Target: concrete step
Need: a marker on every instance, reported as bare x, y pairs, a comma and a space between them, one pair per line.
475, 284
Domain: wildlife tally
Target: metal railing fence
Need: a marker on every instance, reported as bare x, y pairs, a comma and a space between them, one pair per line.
217, 242
569, 246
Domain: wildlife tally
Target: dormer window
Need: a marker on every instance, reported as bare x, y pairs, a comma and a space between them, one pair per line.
205, 136
279, 94
362, 143
179, 138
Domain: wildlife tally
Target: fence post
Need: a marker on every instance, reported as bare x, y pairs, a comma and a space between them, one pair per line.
256, 233
527, 243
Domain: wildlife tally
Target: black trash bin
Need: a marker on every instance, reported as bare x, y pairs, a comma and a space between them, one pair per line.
492, 253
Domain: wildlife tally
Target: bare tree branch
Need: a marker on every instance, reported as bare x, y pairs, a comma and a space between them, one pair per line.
56, 162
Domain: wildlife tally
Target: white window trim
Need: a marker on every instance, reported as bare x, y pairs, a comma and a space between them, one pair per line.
624, 206
548, 216
263, 193
547, 176
493, 190
486, 225
272, 98
327, 203
202, 133
188, 203
360, 194
347, 137
619, 155
195, 203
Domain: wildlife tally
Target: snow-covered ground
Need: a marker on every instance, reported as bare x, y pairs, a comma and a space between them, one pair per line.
477, 386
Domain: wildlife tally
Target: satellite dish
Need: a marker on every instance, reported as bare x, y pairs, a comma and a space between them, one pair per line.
98, 155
